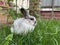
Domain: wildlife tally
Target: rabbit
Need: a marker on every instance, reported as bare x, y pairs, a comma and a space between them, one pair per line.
25, 24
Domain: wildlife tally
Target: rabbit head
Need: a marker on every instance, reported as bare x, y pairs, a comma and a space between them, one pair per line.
30, 18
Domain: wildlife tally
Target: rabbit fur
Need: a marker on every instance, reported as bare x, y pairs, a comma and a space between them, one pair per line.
25, 24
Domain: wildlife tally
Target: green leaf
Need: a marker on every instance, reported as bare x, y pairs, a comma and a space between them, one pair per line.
7, 40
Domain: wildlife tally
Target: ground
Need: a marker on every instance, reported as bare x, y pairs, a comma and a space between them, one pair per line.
47, 32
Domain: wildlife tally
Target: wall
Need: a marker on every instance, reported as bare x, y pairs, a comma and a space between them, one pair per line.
47, 14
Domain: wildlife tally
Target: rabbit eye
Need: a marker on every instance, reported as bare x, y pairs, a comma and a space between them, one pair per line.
31, 19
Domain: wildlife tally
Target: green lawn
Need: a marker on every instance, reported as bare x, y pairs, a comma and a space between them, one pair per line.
47, 32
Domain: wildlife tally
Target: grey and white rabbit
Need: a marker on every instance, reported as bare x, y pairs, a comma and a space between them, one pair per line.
25, 24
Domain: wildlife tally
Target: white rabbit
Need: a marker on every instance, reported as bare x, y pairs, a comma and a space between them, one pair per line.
25, 24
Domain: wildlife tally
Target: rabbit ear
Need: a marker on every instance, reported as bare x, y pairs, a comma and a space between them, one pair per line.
25, 12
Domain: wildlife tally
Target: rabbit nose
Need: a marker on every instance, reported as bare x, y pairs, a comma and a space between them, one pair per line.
34, 23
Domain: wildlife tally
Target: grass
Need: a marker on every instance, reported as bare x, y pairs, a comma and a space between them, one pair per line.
47, 32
